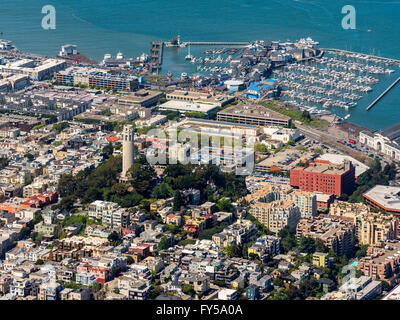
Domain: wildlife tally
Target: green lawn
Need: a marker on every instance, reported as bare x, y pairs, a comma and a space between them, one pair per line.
296, 115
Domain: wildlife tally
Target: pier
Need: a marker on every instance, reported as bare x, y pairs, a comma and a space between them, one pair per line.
206, 43
156, 54
383, 94
362, 54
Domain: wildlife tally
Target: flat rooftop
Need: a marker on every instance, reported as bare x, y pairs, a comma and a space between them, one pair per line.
253, 111
140, 96
386, 196
195, 96
340, 159
394, 294
392, 132
186, 106
324, 168
285, 159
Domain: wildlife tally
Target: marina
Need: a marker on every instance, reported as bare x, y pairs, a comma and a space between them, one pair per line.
332, 82
340, 79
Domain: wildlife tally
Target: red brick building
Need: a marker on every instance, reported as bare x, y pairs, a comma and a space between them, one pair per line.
327, 178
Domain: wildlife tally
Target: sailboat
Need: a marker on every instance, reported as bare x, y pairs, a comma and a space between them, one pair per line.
189, 56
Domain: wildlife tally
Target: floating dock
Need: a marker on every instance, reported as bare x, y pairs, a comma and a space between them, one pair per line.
383, 94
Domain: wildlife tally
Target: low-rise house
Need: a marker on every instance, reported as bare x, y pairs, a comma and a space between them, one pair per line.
134, 289
85, 278
227, 294
200, 284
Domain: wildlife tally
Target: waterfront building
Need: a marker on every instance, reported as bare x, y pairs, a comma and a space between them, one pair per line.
36, 70
200, 97
262, 89
384, 142
96, 77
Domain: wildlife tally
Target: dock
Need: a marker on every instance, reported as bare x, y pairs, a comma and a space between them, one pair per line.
363, 54
207, 43
383, 94
210, 43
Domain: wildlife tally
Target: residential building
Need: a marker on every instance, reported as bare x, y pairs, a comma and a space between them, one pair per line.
277, 214
372, 228
382, 262
305, 201
265, 246
227, 294
320, 260
134, 289
335, 234
235, 234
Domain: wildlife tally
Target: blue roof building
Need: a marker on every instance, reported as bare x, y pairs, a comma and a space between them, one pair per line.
259, 89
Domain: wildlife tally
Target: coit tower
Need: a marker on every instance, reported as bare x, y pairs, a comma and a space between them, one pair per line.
127, 150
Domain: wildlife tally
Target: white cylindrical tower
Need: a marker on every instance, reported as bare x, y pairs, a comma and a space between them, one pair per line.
127, 150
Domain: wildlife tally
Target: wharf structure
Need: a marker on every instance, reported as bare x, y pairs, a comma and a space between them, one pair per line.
383, 94
156, 54
333, 50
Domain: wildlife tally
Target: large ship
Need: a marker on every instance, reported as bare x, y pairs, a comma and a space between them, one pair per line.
6, 45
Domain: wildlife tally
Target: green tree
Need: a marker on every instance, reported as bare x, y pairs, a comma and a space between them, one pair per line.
232, 251
162, 191
163, 244
288, 239
306, 115
108, 150
307, 245
129, 260
29, 156
67, 203
178, 201
362, 251
188, 289
225, 205
114, 238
